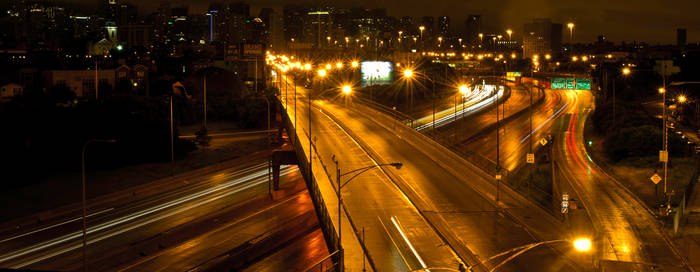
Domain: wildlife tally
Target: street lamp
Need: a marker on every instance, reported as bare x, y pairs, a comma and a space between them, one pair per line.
582, 245
354, 64
408, 74
421, 28
82, 163
481, 37
340, 186
571, 32
463, 90
510, 32
347, 90
322, 72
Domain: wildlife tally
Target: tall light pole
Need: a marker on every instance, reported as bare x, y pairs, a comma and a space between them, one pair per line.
571, 36
664, 157
582, 245
408, 74
82, 163
340, 186
498, 150
510, 32
463, 90
204, 124
481, 37
172, 139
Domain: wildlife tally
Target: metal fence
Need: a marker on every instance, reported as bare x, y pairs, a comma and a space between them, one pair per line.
329, 233
487, 165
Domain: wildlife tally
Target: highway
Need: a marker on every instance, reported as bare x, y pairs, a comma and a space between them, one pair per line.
627, 234
445, 209
126, 226
397, 237
515, 134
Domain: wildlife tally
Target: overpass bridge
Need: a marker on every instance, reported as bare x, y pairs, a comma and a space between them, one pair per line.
438, 211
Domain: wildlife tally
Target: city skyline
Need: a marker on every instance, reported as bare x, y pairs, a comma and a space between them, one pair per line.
646, 21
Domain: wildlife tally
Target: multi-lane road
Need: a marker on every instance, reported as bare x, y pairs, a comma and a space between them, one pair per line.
627, 235
436, 211
144, 225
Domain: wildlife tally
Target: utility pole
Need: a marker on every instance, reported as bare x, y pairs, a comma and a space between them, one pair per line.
498, 151
665, 135
172, 140
204, 125
531, 136
97, 80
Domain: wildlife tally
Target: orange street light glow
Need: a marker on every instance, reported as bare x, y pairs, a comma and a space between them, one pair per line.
407, 73
463, 89
582, 244
347, 89
322, 73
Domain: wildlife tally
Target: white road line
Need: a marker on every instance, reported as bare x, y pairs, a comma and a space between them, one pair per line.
409, 243
56, 225
124, 219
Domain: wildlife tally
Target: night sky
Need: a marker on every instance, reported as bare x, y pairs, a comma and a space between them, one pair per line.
653, 21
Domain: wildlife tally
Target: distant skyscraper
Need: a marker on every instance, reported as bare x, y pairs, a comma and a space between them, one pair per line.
542, 37
681, 37
109, 9
444, 26
473, 27
294, 23
406, 25
276, 27
126, 14
429, 23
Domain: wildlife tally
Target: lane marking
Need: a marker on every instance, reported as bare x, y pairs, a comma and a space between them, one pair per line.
415, 253
395, 244
258, 176
56, 225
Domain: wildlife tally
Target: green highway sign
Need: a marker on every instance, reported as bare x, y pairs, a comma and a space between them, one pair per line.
558, 83
570, 83
583, 84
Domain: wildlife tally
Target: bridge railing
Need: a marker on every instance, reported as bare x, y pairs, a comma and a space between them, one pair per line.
487, 165
329, 233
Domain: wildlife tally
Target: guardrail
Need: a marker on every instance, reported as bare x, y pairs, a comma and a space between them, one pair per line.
485, 164
329, 233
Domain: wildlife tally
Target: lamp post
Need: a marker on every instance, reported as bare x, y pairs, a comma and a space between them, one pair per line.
664, 130
408, 74
340, 186
582, 245
625, 72
571, 36
510, 32
82, 163
463, 90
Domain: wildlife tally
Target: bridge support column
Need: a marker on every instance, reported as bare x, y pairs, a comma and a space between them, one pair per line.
281, 157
